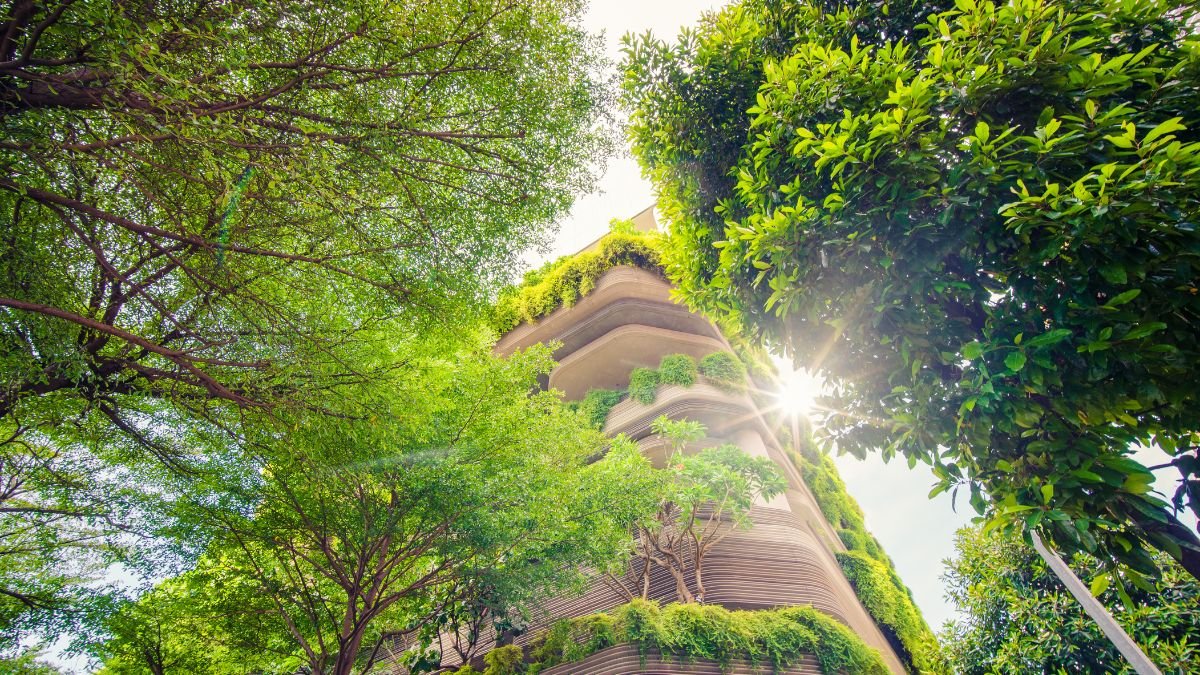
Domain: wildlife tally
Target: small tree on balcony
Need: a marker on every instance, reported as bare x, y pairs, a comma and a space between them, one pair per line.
705, 496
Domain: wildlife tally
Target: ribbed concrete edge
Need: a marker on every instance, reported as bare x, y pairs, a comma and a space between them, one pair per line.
623, 659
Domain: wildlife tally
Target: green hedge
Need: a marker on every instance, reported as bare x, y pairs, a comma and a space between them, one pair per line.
692, 631
596, 405
643, 385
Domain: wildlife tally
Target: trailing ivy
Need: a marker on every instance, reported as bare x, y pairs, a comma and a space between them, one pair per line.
563, 282
869, 569
692, 631
890, 603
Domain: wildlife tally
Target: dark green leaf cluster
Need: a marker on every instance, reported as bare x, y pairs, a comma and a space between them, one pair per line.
984, 233
1015, 616
778, 637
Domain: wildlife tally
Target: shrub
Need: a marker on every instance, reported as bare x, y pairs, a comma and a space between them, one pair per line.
691, 631
677, 369
506, 660
563, 282
597, 404
724, 369
643, 385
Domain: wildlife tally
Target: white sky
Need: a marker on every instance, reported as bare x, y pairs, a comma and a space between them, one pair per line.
915, 531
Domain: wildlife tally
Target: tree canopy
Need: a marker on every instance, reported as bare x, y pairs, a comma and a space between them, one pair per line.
216, 213
363, 536
977, 217
1015, 616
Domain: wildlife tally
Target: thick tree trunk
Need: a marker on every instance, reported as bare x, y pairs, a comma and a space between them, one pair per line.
699, 577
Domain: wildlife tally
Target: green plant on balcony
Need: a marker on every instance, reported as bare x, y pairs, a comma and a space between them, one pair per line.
778, 637
678, 369
643, 385
724, 370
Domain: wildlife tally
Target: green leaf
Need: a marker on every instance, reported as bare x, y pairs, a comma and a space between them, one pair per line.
1047, 493
1124, 298
972, 351
1114, 273
1167, 127
1015, 361
1052, 337
1099, 585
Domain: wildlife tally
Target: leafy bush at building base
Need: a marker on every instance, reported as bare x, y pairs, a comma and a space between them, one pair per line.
692, 631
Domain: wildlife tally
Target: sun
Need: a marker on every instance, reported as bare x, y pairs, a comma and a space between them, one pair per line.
798, 392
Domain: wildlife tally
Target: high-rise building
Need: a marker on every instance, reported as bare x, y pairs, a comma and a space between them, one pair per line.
627, 320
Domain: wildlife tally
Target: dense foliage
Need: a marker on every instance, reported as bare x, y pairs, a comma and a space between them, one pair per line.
777, 637
978, 218
1015, 616
868, 568
465, 487
678, 369
891, 605
562, 282
643, 385
724, 369
218, 210
596, 405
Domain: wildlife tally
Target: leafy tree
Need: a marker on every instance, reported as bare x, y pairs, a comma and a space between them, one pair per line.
368, 528
28, 662
982, 231
703, 497
1015, 616
216, 207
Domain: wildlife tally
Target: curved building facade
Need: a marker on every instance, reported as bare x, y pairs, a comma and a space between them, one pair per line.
787, 557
